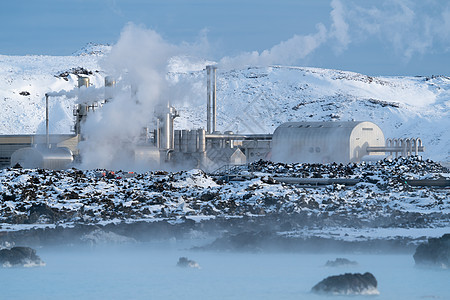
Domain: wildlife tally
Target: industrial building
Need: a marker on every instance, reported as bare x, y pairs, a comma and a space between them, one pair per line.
325, 142
164, 146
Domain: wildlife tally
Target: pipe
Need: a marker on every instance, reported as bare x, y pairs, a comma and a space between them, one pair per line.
208, 99
389, 144
396, 144
239, 136
214, 108
110, 83
201, 140
47, 136
317, 181
417, 144
392, 149
83, 81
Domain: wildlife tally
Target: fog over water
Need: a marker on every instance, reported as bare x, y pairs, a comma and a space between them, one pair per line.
149, 271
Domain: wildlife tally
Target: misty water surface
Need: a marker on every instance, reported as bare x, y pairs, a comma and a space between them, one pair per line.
149, 271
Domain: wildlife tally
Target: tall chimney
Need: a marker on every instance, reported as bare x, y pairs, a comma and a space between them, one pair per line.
47, 135
211, 99
208, 99
214, 99
110, 83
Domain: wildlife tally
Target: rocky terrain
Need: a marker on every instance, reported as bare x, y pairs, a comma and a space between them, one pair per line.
381, 205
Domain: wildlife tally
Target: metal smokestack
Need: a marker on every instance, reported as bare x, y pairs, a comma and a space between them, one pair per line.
208, 99
47, 135
81, 110
211, 99
83, 81
214, 99
110, 83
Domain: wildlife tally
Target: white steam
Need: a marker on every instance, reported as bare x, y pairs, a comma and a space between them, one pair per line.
339, 27
141, 62
145, 66
287, 52
298, 47
82, 94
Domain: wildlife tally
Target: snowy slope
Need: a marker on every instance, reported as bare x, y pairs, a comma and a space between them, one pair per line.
259, 99
24, 80
250, 100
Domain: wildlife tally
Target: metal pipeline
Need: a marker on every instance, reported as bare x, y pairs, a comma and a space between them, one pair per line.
239, 136
392, 149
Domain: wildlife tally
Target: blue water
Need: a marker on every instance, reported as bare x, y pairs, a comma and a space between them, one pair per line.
149, 271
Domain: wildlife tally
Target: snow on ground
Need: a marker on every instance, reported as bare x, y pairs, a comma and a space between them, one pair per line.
381, 205
250, 100
24, 80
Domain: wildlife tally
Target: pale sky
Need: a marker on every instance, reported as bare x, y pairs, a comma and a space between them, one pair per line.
373, 37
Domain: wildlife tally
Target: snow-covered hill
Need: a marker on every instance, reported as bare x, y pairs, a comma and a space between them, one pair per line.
250, 100
260, 99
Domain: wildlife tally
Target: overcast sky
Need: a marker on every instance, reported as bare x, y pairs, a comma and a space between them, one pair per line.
395, 37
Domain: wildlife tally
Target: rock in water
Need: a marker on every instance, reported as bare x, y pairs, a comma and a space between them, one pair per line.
20, 256
187, 263
340, 262
348, 284
434, 252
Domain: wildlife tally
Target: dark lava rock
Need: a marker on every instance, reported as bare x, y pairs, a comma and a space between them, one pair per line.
76, 71
20, 256
42, 212
348, 284
24, 93
184, 262
340, 262
434, 252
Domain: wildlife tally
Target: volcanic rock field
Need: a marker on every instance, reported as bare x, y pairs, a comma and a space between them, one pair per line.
381, 200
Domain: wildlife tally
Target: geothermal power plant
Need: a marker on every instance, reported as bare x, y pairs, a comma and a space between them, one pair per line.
164, 146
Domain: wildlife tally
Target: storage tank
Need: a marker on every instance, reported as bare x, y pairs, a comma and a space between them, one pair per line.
324, 142
147, 156
42, 158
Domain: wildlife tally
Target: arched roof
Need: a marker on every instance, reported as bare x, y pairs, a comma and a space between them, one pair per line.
324, 141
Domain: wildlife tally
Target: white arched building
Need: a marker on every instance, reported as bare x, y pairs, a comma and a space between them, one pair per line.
325, 142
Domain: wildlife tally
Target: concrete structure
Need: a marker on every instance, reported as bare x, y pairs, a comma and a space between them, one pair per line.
325, 142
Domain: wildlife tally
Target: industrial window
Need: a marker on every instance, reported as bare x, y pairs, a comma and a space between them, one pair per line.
311, 149
368, 129
317, 149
